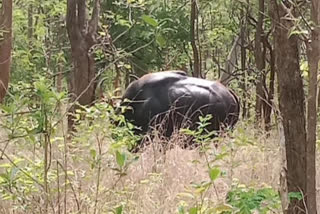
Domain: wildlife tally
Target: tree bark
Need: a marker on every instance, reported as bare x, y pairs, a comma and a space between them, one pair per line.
260, 63
82, 34
243, 82
291, 101
270, 95
30, 23
193, 31
231, 62
313, 54
117, 80
5, 45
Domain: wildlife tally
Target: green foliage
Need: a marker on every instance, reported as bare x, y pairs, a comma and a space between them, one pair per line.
246, 200
119, 210
149, 20
295, 196
162, 28
201, 135
39, 41
214, 173
240, 199
32, 117
32, 108
108, 125
198, 190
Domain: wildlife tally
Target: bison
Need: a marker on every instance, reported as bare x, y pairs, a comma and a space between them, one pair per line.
179, 100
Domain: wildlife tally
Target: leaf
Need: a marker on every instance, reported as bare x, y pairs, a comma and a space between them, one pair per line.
188, 132
221, 156
185, 195
2, 179
93, 153
121, 158
161, 40
119, 210
144, 181
298, 32
295, 195
181, 209
223, 208
201, 189
149, 20
214, 173
124, 22
193, 210
13, 173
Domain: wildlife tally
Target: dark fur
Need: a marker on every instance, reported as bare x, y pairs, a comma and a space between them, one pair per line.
181, 100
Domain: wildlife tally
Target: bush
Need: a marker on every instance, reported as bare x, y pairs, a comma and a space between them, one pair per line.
246, 200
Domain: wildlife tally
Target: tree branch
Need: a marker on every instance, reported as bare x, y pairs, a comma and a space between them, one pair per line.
93, 23
71, 19
82, 15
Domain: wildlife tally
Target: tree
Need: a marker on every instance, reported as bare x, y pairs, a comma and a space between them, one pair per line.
5, 45
194, 35
264, 94
313, 54
292, 108
82, 35
243, 60
260, 56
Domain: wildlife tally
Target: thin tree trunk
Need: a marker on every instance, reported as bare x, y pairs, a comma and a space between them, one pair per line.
313, 53
199, 43
291, 100
196, 58
268, 107
116, 83
243, 84
318, 101
30, 24
5, 46
46, 166
231, 62
81, 33
269, 93
260, 63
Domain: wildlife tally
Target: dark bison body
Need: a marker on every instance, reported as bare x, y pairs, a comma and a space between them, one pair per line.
172, 99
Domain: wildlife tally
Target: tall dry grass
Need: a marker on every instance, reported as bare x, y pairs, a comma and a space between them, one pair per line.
158, 182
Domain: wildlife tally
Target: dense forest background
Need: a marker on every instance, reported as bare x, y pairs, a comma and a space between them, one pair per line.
65, 64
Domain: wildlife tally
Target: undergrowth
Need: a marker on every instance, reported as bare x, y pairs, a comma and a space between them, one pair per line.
45, 170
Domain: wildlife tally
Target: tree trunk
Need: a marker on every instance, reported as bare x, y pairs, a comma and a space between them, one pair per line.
313, 54
117, 81
193, 31
231, 62
243, 82
260, 63
270, 95
291, 100
30, 23
81, 33
5, 45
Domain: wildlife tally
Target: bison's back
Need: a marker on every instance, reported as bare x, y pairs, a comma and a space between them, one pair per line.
180, 99
194, 97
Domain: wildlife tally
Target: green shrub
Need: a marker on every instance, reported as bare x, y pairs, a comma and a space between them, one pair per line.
246, 200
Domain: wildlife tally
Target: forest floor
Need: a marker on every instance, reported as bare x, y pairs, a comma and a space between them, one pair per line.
162, 183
